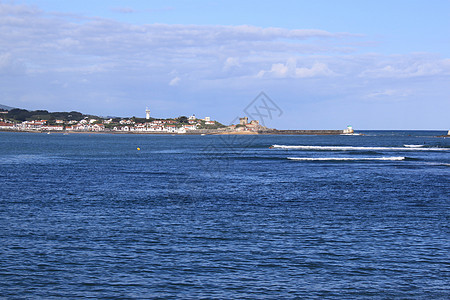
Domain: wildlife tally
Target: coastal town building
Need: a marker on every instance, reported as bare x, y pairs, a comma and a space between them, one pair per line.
8, 126
243, 121
244, 125
127, 122
190, 127
120, 125
52, 128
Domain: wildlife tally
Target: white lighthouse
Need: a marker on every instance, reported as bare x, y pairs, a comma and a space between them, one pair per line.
349, 130
147, 113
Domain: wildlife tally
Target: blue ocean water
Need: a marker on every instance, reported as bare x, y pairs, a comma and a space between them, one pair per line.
225, 217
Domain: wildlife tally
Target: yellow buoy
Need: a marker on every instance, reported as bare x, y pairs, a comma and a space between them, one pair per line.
139, 149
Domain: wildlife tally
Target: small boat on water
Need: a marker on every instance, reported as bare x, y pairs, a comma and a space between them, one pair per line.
413, 146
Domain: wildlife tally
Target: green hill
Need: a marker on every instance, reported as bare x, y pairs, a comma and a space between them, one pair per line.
5, 107
20, 115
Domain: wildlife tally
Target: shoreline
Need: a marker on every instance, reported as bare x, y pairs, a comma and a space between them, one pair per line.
202, 132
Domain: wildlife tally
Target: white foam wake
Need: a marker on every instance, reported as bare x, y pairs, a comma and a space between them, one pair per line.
345, 158
353, 148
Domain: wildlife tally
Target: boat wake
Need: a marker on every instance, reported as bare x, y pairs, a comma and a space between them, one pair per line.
353, 148
393, 158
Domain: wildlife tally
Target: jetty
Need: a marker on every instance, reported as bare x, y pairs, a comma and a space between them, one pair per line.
447, 135
305, 132
349, 130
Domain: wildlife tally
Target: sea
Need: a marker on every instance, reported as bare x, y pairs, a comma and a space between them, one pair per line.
129, 216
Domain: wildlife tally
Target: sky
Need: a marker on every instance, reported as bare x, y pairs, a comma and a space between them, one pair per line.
321, 64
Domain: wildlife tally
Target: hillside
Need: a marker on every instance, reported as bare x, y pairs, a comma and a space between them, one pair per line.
20, 115
5, 107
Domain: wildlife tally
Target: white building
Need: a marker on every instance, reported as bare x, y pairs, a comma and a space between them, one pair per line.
190, 127
349, 130
52, 128
4, 125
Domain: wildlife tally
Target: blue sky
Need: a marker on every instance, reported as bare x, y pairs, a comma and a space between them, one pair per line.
326, 64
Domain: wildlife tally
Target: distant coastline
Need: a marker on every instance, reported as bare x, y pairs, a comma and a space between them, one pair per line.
21, 120
42, 121
196, 132
208, 132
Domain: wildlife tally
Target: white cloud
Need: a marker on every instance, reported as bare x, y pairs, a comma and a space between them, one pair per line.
230, 63
290, 70
103, 59
68, 43
45, 41
11, 9
388, 93
407, 67
9, 65
318, 69
123, 10
174, 81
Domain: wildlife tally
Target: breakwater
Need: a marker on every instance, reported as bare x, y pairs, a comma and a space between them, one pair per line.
303, 132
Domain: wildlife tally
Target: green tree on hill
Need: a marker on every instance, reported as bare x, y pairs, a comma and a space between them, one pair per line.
182, 120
